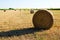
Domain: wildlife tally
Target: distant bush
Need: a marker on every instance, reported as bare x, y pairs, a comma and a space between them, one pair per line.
3, 9
36, 9
15, 10
54, 9
11, 9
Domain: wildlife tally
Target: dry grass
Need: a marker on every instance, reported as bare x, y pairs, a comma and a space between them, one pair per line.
11, 20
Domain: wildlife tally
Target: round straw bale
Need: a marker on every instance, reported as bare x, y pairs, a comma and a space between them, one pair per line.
4, 10
31, 11
43, 19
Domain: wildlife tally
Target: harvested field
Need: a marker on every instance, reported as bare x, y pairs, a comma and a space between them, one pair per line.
17, 25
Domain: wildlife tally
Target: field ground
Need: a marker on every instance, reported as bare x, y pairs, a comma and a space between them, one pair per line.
51, 34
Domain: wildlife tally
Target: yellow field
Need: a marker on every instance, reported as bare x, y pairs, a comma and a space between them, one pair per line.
12, 19
20, 19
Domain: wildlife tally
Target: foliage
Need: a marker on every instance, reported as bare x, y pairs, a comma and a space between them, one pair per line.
11, 8
54, 9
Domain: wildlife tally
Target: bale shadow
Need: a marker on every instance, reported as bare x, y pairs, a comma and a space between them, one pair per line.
19, 32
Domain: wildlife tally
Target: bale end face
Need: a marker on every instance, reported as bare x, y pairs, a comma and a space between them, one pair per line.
43, 19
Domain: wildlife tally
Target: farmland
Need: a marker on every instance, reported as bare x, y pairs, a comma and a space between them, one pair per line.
21, 19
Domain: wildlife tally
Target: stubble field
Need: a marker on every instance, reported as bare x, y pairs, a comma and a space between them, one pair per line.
21, 20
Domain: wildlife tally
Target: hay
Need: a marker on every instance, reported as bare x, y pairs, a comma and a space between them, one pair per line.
31, 11
43, 19
4, 10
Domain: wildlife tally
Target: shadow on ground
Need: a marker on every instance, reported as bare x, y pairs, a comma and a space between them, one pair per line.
18, 32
